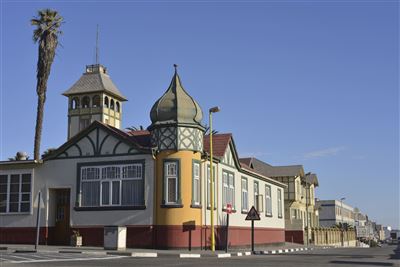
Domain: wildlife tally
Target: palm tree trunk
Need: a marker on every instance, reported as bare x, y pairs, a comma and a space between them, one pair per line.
39, 125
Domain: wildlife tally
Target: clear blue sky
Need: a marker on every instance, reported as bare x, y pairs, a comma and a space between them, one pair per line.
309, 82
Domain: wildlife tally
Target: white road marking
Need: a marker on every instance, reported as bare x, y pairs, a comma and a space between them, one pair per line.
70, 259
183, 255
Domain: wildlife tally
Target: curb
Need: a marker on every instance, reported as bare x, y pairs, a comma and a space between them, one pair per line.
180, 255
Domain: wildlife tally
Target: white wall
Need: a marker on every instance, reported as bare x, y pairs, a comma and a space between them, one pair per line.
237, 218
62, 173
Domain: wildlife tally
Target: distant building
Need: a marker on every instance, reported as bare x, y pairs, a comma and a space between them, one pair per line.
300, 209
335, 212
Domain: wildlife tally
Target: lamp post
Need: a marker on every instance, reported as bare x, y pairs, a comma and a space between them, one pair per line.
210, 112
308, 226
341, 216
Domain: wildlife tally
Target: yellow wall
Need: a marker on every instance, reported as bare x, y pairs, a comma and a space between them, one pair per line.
177, 216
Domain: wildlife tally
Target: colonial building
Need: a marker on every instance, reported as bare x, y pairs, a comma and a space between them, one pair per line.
335, 212
155, 182
300, 211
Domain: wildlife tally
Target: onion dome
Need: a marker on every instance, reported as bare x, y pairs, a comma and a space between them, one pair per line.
176, 106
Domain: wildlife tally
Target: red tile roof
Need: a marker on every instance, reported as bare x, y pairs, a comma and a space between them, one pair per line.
220, 143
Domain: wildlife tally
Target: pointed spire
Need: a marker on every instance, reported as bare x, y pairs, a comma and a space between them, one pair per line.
97, 45
176, 68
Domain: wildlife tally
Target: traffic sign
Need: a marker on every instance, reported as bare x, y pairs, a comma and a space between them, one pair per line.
252, 215
229, 208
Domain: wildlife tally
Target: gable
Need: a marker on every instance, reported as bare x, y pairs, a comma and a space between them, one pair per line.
96, 142
228, 158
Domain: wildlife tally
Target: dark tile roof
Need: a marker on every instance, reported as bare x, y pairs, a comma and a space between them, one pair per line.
97, 81
220, 143
311, 178
272, 171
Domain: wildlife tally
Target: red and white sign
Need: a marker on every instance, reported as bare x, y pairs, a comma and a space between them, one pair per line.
229, 208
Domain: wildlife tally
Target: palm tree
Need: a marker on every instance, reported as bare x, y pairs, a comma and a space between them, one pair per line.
46, 34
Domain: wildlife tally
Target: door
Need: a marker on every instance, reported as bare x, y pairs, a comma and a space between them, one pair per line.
62, 227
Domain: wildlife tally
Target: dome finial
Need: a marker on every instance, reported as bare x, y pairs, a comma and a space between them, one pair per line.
176, 68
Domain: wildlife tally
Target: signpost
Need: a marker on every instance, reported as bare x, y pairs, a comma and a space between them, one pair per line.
38, 222
228, 211
252, 216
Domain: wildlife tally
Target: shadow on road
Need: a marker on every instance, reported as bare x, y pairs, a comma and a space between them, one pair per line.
396, 252
374, 263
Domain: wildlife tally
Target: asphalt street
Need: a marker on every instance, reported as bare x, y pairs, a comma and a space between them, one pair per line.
343, 257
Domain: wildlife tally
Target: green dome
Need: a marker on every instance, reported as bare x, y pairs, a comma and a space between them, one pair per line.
176, 106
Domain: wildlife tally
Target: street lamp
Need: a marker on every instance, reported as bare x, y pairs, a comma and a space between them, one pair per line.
341, 215
210, 112
307, 203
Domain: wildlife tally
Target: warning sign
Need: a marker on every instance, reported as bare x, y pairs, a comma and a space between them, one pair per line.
252, 215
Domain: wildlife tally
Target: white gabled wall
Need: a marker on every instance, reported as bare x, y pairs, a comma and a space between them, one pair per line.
237, 218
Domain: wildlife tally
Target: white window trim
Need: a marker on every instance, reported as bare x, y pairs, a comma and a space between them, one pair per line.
246, 192
230, 189
208, 193
198, 178
167, 177
20, 173
268, 198
280, 210
100, 179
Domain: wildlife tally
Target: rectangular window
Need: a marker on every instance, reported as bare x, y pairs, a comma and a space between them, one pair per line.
15, 193
115, 185
171, 182
245, 205
268, 201
279, 203
196, 184
208, 187
228, 189
256, 192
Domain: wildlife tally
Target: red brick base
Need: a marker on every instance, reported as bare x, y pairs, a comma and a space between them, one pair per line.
154, 236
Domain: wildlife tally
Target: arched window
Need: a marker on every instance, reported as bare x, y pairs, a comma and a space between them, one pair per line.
106, 101
75, 103
86, 102
112, 104
117, 106
96, 101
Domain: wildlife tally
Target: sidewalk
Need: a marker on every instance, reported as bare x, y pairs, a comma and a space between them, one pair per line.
152, 253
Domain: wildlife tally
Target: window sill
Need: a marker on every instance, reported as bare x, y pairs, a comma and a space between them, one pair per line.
142, 207
245, 211
196, 206
209, 208
279, 217
268, 215
15, 213
171, 206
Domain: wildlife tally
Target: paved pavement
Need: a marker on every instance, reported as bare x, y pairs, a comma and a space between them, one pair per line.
343, 257
49, 257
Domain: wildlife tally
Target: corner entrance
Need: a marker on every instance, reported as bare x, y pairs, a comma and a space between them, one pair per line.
61, 215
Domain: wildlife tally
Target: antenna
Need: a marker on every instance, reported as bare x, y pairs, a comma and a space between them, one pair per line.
97, 45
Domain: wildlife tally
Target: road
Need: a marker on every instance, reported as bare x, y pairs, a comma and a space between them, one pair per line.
343, 257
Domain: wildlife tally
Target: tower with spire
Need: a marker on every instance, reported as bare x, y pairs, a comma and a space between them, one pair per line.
93, 97
177, 134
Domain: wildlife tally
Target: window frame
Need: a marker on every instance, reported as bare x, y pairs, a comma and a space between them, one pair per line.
279, 198
178, 202
20, 192
230, 189
268, 213
208, 193
196, 203
120, 179
246, 192
255, 196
